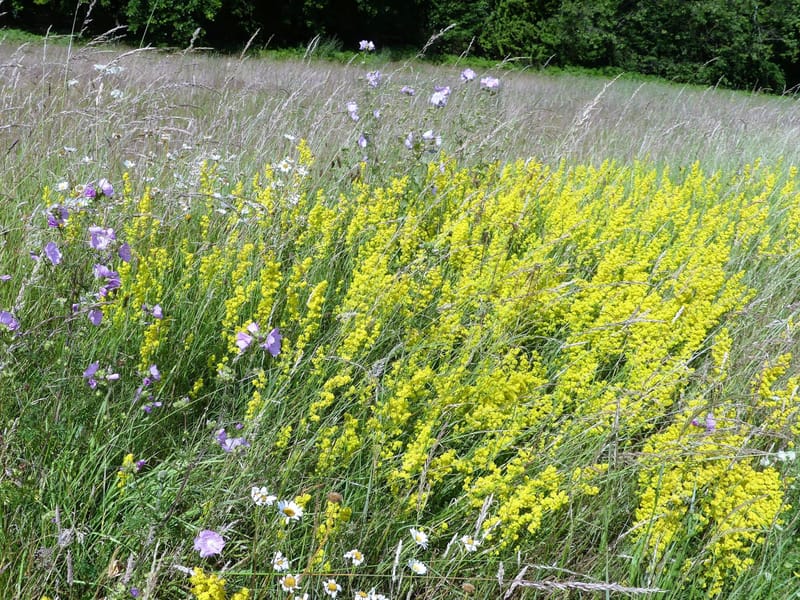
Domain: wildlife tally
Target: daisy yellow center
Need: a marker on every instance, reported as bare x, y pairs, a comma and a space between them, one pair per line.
289, 511
289, 581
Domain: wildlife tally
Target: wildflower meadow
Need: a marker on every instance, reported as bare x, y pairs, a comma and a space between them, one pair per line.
292, 329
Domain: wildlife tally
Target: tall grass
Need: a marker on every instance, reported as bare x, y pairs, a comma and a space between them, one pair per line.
555, 336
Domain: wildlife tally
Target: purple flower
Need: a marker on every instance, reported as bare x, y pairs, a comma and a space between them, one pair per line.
230, 444
124, 252
52, 252
140, 464
96, 316
148, 408
154, 375
101, 237
490, 83
7, 319
440, 96
273, 342
243, 341
105, 187
157, 312
208, 543
429, 136
102, 271
362, 141
89, 374
112, 279
407, 90
89, 191
710, 422
409, 141
366, 45
5, 277
57, 217
352, 110
135, 592
467, 74
374, 78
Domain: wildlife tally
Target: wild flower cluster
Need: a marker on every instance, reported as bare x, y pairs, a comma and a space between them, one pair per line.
406, 362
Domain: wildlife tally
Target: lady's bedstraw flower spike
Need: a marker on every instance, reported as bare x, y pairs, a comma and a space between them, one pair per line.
420, 537
208, 543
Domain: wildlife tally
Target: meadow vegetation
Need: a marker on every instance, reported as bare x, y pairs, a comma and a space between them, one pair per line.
296, 329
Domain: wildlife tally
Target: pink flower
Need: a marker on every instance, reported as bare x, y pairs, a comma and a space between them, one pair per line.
208, 543
490, 83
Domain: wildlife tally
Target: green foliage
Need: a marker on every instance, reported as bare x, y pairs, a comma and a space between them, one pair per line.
170, 21
738, 44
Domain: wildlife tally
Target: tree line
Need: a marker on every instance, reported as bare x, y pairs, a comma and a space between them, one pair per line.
748, 44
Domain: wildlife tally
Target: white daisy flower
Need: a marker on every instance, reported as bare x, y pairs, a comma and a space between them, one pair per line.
290, 582
355, 556
280, 563
470, 543
262, 497
290, 510
331, 588
420, 537
417, 567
